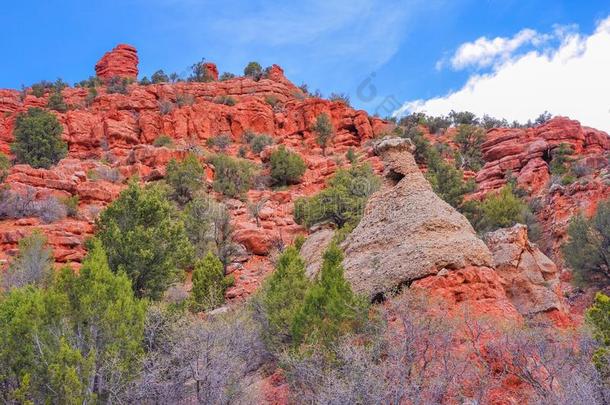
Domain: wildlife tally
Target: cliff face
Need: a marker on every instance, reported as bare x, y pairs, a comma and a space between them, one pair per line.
110, 139
528, 154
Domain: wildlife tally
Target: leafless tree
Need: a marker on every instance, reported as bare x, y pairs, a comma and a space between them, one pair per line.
198, 361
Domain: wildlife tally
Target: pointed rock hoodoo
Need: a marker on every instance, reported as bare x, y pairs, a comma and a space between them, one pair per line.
407, 232
122, 62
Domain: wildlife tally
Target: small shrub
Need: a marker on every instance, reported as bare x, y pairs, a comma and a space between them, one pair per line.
185, 178
351, 156
242, 152
597, 317
56, 102
581, 170
32, 266
286, 167
163, 140
200, 73
225, 100
71, 204
159, 77
165, 107
258, 143
39, 89
561, 159
208, 284
226, 76
282, 295
437, 125
145, 81
91, 96
183, 100
233, 177
324, 130
340, 97
498, 210
38, 139
253, 70
220, 142
447, 181
117, 85
342, 201
5, 167
272, 100
586, 250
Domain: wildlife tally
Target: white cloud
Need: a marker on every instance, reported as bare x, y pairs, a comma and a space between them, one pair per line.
571, 79
485, 52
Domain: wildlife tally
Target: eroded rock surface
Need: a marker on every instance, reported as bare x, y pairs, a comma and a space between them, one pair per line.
530, 279
407, 232
122, 62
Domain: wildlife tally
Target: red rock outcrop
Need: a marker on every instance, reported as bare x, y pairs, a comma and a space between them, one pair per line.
527, 152
120, 129
122, 61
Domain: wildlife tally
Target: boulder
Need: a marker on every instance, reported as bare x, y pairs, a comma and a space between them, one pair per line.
530, 279
407, 232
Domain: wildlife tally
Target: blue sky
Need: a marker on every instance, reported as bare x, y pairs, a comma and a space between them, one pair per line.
406, 49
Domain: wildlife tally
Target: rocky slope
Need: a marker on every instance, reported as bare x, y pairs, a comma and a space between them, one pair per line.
111, 139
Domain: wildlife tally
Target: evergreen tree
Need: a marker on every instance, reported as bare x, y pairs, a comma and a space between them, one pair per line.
80, 341
282, 295
38, 140
208, 284
329, 308
145, 238
185, 178
56, 102
324, 130
232, 177
447, 181
253, 70
342, 201
286, 167
598, 317
588, 248
469, 140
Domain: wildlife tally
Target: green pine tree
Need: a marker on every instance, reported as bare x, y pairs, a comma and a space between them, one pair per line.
598, 316
282, 295
144, 237
329, 308
208, 284
38, 140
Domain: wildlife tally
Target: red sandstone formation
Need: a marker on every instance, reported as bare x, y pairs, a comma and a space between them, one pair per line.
122, 61
119, 130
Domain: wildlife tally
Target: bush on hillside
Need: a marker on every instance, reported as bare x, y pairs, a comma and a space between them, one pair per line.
447, 181
232, 177
286, 167
38, 139
144, 237
159, 77
587, 251
342, 201
330, 308
258, 143
324, 130
253, 70
5, 167
220, 142
282, 295
469, 140
32, 266
208, 290
185, 178
200, 73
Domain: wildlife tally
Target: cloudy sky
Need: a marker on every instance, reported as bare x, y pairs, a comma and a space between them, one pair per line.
507, 58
